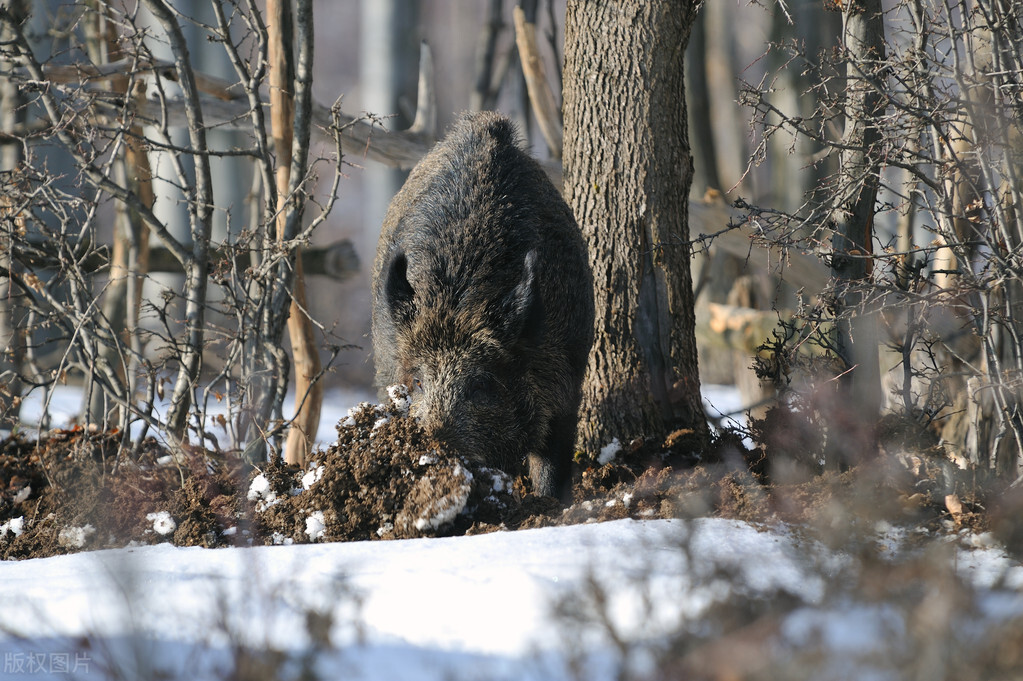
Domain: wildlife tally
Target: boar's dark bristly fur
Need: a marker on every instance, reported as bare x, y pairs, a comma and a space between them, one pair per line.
483, 303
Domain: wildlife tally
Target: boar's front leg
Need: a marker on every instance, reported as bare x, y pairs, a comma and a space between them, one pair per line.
550, 468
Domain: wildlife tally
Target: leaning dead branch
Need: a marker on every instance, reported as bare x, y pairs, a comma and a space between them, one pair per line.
541, 95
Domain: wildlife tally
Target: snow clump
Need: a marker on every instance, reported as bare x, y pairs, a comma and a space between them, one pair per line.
359, 409
313, 476
260, 492
22, 494
315, 525
499, 480
609, 452
163, 523
400, 397
75, 537
15, 525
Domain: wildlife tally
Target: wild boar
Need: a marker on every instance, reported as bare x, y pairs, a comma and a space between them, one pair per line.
483, 303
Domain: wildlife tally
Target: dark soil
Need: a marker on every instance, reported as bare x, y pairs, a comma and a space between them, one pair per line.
385, 479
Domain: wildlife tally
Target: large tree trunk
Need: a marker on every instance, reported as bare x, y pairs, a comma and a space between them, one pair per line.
627, 177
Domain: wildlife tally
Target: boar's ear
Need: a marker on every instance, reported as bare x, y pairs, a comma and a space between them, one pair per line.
523, 308
398, 291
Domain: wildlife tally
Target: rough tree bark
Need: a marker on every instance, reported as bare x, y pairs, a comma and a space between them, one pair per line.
628, 172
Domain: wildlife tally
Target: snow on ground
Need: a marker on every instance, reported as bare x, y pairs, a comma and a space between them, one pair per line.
721, 401
456, 608
66, 403
515, 605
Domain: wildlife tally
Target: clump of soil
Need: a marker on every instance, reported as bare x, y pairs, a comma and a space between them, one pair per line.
384, 478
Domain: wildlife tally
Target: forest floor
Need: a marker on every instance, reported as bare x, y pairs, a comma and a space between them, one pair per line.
383, 478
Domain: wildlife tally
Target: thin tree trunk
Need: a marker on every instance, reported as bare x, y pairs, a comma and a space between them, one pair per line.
200, 211
129, 256
12, 341
857, 336
545, 109
307, 365
627, 177
698, 104
483, 95
729, 129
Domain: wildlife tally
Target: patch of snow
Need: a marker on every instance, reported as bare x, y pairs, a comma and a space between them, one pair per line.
609, 451
981, 540
470, 607
64, 407
428, 459
499, 480
22, 494
890, 538
75, 537
259, 488
400, 397
313, 476
863, 630
724, 403
163, 523
315, 525
15, 525
261, 493
279, 539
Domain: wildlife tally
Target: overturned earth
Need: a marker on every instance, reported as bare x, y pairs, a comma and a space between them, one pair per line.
385, 478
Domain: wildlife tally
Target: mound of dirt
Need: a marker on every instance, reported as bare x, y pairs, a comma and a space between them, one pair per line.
382, 479
77, 489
